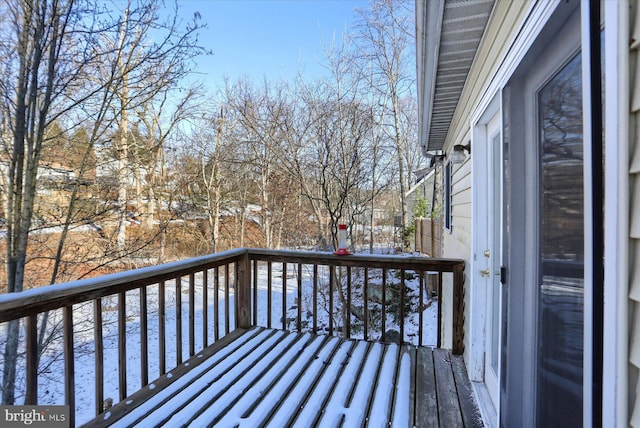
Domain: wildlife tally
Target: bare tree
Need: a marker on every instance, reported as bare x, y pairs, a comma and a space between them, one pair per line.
53, 50
136, 58
262, 117
345, 149
33, 69
385, 57
210, 156
158, 123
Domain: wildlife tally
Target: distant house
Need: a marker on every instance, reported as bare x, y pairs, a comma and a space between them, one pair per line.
49, 175
55, 173
513, 93
107, 169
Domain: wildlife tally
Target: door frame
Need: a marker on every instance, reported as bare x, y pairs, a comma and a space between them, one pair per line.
494, 258
480, 239
547, 56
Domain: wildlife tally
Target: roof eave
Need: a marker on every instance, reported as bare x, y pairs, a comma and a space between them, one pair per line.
429, 16
448, 34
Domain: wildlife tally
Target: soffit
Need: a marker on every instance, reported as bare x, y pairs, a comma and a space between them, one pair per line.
454, 37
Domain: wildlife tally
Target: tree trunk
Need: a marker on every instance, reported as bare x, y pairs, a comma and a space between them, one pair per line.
122, 185
400, 154
122, 146
10, 362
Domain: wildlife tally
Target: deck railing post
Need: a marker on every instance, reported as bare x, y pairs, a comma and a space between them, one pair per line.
458, 309
69, 364
243, 284
32, 360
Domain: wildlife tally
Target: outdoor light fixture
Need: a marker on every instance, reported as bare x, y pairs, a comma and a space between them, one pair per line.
457, 155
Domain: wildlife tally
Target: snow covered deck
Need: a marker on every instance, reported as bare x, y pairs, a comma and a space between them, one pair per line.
264, 377
125, 338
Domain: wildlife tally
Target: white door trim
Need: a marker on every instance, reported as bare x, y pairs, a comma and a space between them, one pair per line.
494, 258
615, 405
479, 202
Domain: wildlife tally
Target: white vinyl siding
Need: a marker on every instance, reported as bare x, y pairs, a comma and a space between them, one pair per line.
457, 244
460, 210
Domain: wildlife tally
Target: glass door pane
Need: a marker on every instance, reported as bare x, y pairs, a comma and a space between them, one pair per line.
561, 250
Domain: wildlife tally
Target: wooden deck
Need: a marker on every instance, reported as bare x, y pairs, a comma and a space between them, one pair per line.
271, 378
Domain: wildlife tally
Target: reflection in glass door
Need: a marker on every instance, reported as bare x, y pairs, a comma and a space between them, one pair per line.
560, 250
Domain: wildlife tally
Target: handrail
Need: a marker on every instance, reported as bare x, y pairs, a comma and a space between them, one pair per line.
233, 276
357, 260
57, 296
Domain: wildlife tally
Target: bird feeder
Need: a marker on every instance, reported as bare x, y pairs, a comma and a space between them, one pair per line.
342, 241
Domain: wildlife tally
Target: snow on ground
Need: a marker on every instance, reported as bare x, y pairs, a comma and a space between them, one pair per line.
51, 382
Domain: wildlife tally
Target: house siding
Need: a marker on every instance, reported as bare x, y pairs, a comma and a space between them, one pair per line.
457, 244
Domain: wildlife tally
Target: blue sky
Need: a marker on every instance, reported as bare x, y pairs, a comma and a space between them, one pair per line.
272, 38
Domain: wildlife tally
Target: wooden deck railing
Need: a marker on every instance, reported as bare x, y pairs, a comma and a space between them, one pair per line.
178, 309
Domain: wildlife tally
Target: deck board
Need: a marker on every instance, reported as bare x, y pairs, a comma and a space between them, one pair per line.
265, 377
448, 404
426, 404
470, 413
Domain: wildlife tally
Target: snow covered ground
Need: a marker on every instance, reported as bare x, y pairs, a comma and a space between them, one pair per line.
51, 380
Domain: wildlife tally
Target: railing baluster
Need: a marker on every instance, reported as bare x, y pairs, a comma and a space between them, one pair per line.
402, 273
332, 279
192, 313
32, 360
255, 292
69, 364
99, 355
458, 310
243, 292
162, 328
216, 303
383, 325
421, 307
299, 323
236, 295
226, 299
347, 310
365, 302
284, 296
439, 344
178, 287
269, 285
122, 344
144, 341
205, 308
315, 298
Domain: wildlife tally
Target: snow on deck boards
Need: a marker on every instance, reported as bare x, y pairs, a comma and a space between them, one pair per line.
271, 378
